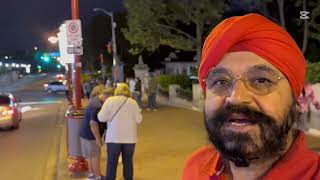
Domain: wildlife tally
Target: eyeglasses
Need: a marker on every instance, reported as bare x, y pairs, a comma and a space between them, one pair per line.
259, 79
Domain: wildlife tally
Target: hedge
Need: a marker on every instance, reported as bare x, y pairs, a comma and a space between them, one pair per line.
182, 80
313, 72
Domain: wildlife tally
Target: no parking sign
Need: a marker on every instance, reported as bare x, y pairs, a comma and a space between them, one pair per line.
74, 34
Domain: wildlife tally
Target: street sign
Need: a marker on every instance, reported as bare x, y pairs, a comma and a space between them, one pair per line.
74, 34
64, 56
76, 50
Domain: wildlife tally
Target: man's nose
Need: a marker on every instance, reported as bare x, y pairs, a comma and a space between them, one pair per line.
239, 93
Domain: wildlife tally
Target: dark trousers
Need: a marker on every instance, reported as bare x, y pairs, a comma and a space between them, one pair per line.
152, 101
138, 97
113, 151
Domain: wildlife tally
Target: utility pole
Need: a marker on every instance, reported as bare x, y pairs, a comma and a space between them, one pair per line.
76, 70
75, 117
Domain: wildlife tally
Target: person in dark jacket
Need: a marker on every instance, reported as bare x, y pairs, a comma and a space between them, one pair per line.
138, 92
90, 133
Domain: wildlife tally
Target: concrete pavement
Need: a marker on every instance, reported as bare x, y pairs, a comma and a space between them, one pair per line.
165, 139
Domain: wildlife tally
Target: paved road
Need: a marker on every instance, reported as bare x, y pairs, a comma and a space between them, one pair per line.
30, 152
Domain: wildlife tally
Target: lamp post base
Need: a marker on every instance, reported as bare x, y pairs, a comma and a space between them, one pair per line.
117, 73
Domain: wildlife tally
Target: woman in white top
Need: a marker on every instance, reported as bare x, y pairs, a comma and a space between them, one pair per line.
122, 114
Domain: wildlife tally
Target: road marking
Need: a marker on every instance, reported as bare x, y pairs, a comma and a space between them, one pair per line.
40, 102
29, 108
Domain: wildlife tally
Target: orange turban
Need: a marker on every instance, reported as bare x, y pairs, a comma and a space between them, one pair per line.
261, 36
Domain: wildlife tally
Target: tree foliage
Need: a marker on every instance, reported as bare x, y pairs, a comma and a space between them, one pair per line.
175, 23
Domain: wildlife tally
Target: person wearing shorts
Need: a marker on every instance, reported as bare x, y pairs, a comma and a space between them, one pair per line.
90, 134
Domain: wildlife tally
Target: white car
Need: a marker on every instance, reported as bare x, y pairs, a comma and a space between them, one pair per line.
54, 87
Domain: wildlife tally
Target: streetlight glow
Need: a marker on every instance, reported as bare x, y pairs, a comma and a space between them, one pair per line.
53, 39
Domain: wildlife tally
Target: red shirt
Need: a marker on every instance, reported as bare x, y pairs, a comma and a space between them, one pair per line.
298, 163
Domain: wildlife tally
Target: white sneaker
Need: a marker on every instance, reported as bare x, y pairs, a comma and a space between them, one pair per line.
99, 178
91, 177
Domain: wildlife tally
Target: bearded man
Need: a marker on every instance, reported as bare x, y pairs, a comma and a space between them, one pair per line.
252, 72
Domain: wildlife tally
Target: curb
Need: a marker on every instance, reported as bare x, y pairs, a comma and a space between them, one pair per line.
50, 169
61, 171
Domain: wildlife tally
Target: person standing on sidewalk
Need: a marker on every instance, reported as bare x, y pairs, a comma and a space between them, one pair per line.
151, 89
90, 134
138, 92
252, 72
122, 114
132, 84
97, 89
86, 89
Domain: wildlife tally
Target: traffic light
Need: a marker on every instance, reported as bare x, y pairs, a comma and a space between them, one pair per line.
39, 68
46, 58
43, 56
58, 66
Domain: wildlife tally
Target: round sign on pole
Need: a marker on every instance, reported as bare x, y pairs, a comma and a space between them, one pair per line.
73, 27
74, 35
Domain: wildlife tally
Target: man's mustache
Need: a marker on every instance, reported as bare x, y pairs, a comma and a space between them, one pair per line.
252, 115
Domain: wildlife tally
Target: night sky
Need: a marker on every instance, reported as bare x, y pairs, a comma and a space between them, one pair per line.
28, 23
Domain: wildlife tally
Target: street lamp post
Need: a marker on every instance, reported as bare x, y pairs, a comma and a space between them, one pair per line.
114, 44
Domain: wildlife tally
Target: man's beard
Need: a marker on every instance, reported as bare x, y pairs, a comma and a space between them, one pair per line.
241, 148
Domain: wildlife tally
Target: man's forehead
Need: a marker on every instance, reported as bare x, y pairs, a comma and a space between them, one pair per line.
240, 62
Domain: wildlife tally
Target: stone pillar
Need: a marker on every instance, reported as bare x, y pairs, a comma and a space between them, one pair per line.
197, 96
173, 92
141, 71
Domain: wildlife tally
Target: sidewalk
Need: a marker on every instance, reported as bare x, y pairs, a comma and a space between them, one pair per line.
165, 139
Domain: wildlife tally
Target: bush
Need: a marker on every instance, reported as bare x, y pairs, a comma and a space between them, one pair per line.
85, 77
182, 80
313, 72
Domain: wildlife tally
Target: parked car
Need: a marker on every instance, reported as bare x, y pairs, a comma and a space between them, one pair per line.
10, 111
54, 87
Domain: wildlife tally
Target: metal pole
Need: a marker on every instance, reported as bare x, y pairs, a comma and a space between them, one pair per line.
114, 44
77, 62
